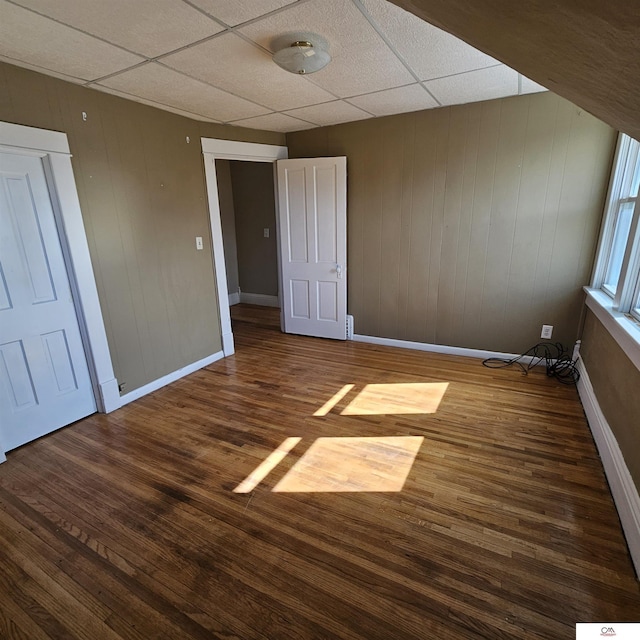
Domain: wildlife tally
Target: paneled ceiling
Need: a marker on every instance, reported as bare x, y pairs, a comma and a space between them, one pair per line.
211, 59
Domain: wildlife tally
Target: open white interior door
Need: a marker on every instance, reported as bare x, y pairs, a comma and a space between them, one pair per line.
44, 379
312, 196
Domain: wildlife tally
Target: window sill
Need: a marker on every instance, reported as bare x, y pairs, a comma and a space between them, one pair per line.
624, 329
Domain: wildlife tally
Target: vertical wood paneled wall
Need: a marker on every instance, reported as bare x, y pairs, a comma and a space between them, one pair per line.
255, 210
228, 223
616, 382
471, 225
143, 198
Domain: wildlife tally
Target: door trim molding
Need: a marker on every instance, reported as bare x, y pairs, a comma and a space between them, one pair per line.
53, 148
212, 150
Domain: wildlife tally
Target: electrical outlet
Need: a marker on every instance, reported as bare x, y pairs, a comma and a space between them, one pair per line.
266, 232
547, 331
198, 243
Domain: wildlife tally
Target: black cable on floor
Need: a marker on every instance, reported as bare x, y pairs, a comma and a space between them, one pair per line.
558, 363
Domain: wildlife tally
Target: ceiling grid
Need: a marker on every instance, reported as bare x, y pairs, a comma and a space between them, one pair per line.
211, 59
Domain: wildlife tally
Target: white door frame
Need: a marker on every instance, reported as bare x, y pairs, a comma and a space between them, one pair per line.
214, 149
53, 148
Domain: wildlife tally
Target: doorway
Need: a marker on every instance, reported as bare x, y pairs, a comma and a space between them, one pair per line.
229, 150
248, 216
311, 238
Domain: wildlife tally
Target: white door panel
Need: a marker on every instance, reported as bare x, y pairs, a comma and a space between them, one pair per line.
312, 196
44, 379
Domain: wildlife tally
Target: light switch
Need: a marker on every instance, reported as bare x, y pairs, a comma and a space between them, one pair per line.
266, 232
199, 243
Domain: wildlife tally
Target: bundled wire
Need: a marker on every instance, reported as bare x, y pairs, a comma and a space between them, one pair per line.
558, 363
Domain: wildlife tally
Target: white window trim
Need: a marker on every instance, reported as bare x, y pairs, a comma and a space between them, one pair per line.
606, 232
623, 296
615, 308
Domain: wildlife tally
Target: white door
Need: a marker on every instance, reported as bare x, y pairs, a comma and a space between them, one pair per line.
312, 196
44, 379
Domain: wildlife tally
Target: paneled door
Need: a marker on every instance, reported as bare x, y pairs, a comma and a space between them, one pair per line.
312, 195
44, 379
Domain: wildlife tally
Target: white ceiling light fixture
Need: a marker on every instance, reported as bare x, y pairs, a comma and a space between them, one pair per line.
302, 53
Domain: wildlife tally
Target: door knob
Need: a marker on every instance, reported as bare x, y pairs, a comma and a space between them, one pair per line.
339, 270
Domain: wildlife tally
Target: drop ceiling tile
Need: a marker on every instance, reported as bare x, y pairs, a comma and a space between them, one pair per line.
474, 86
362, 62
239, 11
529, 86
330, 113
154, 82
148, 27
245, 70
429, 51
27, 37
400, 100
38, 69
274, 122
151, 103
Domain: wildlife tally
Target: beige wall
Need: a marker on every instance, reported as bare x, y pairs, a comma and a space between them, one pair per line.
143, 199
616, 382
228, 222
471, 225
254, 204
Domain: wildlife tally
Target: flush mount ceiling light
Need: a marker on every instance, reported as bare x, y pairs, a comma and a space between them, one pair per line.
303, 53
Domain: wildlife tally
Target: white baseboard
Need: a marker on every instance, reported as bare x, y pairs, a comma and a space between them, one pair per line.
260, 299
623, 489
440, 348
234, 298
169, 378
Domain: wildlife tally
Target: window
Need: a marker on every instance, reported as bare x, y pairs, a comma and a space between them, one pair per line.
617, 270
635, 308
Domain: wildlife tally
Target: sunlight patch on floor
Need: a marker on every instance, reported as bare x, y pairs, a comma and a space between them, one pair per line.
267, 466
397, 398
353, 464
333, 401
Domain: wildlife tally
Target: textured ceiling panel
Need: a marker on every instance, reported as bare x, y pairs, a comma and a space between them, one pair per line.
429, 51
529, 86
148, 27
400, 100
30, 38
33, 67
231, 63
155, 82
361, 61
473, 86
239, 11
330, 113
212, 72
274, 122
152, 103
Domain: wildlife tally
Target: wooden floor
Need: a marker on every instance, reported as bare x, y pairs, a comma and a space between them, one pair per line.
496, 521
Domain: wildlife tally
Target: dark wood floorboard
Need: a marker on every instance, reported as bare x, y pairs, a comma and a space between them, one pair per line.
127, 525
